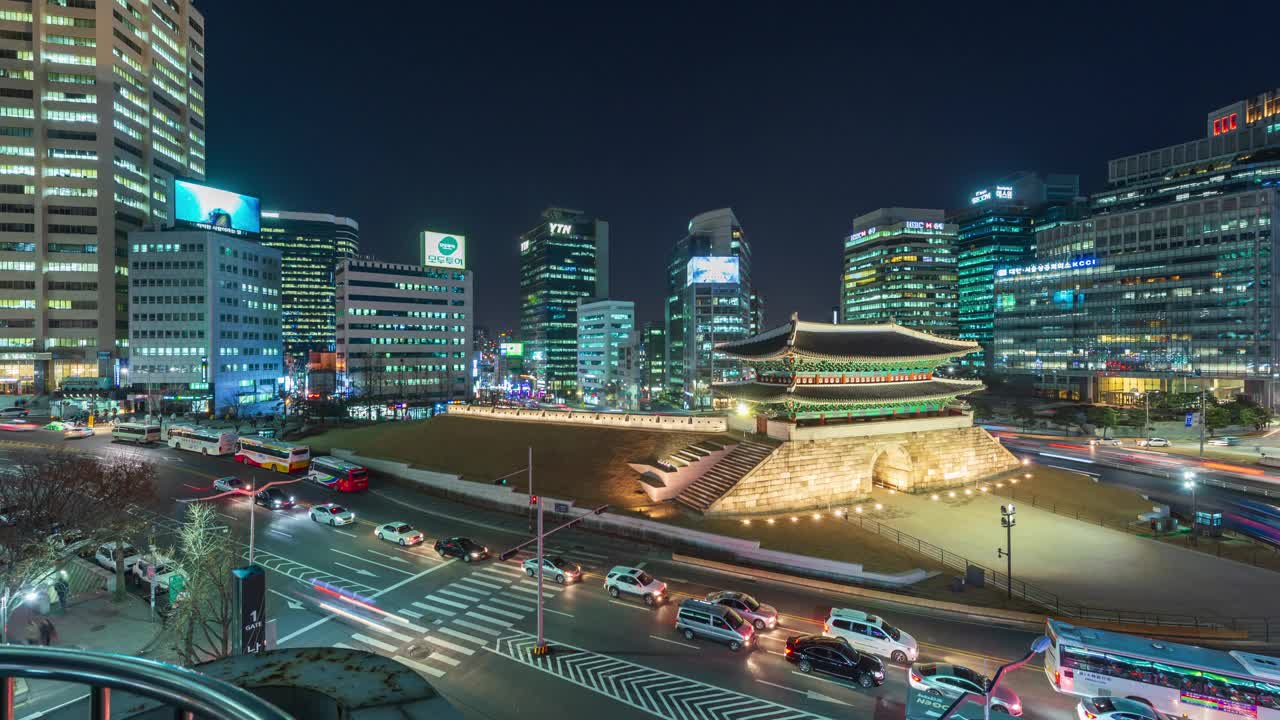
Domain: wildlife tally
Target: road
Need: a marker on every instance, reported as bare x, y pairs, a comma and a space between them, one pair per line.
467, 627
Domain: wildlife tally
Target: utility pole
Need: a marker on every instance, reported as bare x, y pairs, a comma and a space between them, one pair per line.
1189, 482
253, 486
1007, 521
1146, 428
541, 647
1204, 417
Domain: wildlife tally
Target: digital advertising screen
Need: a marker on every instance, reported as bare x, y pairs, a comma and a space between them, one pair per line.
444, 250
511, 349
709, 270
211, 208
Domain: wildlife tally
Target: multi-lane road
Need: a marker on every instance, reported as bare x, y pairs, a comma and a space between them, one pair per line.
468, 627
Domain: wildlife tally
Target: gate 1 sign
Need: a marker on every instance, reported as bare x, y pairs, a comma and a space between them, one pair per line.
251, 610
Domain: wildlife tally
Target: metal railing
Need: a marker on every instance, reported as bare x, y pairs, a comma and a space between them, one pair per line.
190, 694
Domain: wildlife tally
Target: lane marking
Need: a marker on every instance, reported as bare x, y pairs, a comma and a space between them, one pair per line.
461, 635
474, 626
450, 646
516, 605
389, 632
481, 583
588, 554
427, 669
469, 598
390, 557
361, 558
344, 532
344, 646
428, 608
373, 643
358, 571
441, 657
546, 585
675, 642
501, 569
507, 613
531, 591
55, 708
633, 606
640, 565
451, 603
280, 532
410, 613
486, 618
405, 623
557, 612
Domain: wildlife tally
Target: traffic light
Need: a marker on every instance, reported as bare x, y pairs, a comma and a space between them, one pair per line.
500, 481
533, 499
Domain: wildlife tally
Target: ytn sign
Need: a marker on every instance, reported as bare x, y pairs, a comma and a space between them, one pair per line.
444, 250
561, 228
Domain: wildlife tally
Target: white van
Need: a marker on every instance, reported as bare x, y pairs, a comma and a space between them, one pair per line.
871, 634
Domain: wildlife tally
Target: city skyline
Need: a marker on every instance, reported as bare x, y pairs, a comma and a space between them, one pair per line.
814, 133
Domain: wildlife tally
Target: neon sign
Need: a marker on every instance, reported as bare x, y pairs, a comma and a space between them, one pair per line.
1225, 124
980, 197
1072, 264
923, 225
561, 228
1004, 192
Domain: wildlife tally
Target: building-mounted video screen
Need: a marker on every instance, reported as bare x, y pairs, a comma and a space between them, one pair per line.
712, 270
210, 208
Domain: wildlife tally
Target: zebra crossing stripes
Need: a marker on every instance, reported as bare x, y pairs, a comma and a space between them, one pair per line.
512, 604
371, 642
462, 636
420, 667
499, 611
658, 693
306, 573
436, 640
431, 608
478, 628
490, 619
456, 594
481, 583
451, 603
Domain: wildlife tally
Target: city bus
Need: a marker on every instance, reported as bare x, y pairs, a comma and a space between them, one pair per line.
206, 441
136, 433
338, 474
278, 456
1175, 679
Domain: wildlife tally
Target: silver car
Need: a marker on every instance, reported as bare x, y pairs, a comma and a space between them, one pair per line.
763, 617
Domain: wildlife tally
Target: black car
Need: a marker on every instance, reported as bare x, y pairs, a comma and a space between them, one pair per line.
274, 499
834, 657
461, 547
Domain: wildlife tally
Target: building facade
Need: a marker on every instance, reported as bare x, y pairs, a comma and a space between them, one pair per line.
204, 323
710, 300
1167, 285
311, 246
604, 327
120, 112
997, 229
563, 259
654, 382
404, 332
900, 267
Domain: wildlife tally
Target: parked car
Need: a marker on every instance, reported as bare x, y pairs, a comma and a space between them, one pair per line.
105, 555
461, 547
632, 581
274, 499
1225, 440
871, 634
399, 532
815, 653
554, 567
228, 483
951, 680
77, 431
14, 412
1154, 442
761, 616
332, 514
165, 570
1114, 708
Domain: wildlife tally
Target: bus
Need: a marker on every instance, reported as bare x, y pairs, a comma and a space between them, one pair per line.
1175, 679
278, 456
206, 441
136, 433
338, 474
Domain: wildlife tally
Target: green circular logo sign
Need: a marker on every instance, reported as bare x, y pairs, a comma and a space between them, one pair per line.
447, 245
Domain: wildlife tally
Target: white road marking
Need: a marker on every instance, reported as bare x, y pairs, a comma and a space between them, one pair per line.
500, 569
516, 605
556, 612
531, 591
451, 603
358, 571
410, 613
450, 646
433, 672
469, 598
344, 646
55, 708
486, 618
344, 532
401, 621
633, 606
462, 635
481, 583
428, 608
508, 613
374, 643
675, 642
389, 557
588, 554
546, 584
361, 558
441, 657
640, 565
478, 628
280, 532
389, 632
813, 676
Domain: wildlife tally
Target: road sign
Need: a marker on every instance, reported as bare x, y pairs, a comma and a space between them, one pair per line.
1191, 419
562, 507
251, 596
176, 586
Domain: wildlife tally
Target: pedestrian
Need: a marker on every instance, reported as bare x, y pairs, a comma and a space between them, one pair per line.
33, 632
44, 627
50, 632
64, 594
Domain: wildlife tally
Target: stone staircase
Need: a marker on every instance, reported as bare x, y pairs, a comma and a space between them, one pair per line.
720, 479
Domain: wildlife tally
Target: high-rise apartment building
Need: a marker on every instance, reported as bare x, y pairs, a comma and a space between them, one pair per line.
710, 299
997, 229
563, 259
102, 104
604, 326
311, 246
204, 325
1168, 284
900, 266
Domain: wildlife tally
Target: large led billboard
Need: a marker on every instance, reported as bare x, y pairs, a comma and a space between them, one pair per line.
210, 208
707, 270
444, 250
511, 349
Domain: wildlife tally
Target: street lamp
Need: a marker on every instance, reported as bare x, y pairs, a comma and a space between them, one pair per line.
1007, 522
1189, 483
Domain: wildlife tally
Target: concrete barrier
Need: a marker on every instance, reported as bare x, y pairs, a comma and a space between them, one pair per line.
639, 421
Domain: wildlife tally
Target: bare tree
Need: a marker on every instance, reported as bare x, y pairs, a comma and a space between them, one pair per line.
200, 626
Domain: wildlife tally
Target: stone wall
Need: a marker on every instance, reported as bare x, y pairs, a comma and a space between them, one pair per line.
811, 474
639, 421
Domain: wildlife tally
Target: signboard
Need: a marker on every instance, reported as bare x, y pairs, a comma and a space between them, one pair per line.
1191, 419
210, 208
444, 250
562, 507
1072, 264
251, 608
511, 349
1223, 705
709, 270
176, 585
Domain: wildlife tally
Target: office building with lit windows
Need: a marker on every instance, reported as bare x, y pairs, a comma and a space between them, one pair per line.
900, 266
654, 374
1168, 284
604, 326
120, 113
204, 325
710, 300
563, 259
404, 332
311, 246
996, 228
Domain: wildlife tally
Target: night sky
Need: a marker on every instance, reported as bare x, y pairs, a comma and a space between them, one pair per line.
473, 117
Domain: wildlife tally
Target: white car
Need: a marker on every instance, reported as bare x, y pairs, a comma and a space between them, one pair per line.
399, 532
1114, 708
557, 568
332, 514
1224, 440
78, 431
228, 483
13, 412
105, 555
165, 570
871, 634
632, 581
1154, 442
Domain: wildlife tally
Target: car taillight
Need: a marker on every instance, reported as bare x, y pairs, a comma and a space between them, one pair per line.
914, 676
826, 627
788, 651
1087, 714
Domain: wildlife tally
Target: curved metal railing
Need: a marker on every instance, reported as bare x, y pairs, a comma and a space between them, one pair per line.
189, 693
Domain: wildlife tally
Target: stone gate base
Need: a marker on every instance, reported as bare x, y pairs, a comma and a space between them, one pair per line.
833, 466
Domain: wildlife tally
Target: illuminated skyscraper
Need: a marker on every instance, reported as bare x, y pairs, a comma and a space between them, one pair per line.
900, 266
312, 246
120, 112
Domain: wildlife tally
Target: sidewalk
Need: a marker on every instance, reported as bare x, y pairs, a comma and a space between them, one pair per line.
1085, 563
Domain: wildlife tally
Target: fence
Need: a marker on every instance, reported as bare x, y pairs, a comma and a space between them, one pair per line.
1258, 628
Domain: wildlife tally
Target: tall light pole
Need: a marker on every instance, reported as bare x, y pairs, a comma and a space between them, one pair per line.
1007, 522
1204, 417
1189, 483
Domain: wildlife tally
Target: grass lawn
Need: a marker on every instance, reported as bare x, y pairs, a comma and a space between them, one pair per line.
1070, 493
588, 464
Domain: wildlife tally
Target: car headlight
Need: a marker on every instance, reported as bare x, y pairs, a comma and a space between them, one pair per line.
475, 553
